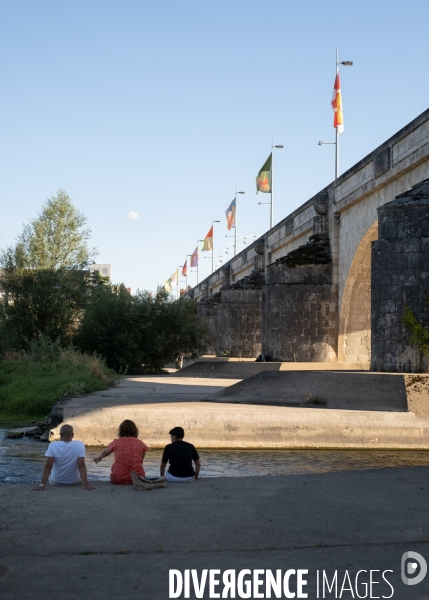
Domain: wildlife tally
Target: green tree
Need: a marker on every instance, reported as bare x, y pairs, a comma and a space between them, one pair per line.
140, 332
41, 301
44, 279
56, 239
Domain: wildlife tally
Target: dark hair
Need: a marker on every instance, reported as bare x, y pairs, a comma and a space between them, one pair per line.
178, 432
128, 429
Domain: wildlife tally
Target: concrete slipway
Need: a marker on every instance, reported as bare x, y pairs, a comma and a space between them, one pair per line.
374, 419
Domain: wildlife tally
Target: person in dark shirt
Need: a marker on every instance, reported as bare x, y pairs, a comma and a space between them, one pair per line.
180, 454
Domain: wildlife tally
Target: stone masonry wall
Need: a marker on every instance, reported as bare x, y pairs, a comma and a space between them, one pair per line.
209, 313
400, 275
240, 323
296, 313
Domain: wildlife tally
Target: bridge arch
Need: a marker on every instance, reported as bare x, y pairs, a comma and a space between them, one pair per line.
354, 341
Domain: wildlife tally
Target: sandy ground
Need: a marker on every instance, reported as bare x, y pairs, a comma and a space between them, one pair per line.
117, 543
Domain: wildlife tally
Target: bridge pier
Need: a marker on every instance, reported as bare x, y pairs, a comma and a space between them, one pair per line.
240, 320
400, 276
296, 305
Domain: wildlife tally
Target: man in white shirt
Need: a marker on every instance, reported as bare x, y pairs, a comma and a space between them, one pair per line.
65, 463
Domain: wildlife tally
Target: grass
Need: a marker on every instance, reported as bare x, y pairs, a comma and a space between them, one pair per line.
29, 387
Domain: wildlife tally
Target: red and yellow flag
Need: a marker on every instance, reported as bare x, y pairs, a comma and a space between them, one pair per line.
208, 241
185, 269
337, 105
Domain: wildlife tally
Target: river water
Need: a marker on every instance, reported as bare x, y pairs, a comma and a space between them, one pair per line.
22, 460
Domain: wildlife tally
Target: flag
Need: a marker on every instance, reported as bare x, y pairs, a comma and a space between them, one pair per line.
337, 105
185, 269
174, 277
208, 241
167, 286
230, 215
194, 258
263, 180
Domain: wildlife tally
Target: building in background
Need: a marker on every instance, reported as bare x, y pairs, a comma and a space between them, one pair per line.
104, 270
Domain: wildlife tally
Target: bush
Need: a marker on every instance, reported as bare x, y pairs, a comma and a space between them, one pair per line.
140, 332
29, 386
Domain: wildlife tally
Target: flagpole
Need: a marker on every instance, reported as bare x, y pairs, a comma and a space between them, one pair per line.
235, 228
337, 135
272, 171
213, 222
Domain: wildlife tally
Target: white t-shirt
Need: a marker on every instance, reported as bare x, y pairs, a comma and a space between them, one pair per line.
65, 455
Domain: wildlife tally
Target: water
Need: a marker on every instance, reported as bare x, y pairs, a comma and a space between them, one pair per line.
22, 460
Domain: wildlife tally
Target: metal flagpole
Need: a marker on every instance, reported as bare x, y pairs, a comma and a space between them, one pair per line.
271, 207
213, 222
337, 135
235, 228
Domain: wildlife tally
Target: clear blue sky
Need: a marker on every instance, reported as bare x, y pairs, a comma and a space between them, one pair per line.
160, 108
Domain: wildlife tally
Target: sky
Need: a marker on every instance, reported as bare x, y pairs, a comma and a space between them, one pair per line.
148, 114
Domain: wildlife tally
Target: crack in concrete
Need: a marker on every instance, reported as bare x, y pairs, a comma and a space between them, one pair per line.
220, 551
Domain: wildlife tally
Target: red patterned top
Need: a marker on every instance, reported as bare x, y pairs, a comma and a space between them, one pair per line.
129, 455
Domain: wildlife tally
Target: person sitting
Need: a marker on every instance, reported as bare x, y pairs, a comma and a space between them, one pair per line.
129, 454
65, 462
180, 454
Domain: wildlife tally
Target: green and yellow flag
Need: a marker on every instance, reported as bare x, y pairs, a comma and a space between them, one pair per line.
263, 180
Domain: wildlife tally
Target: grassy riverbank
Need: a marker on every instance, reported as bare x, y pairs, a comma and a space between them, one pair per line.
28, 387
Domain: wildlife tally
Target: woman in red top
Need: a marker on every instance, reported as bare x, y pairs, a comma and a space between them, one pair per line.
129, 454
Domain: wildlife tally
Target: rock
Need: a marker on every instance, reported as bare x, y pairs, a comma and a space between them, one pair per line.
45, 436
18, 433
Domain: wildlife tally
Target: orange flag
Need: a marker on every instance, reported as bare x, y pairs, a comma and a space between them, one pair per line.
337, 105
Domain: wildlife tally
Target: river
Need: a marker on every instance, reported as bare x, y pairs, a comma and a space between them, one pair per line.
21, 461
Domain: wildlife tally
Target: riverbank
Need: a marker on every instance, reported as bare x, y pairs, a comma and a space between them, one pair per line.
156, 404
116, 542
29, 387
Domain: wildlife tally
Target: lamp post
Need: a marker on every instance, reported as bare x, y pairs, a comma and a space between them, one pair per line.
272, 172
345, 63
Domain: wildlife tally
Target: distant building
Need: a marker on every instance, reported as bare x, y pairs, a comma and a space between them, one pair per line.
104, 270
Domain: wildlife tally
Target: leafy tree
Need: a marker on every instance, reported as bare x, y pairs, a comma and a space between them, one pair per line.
110, 327
40, 301
54, 240
140, 332
43, 279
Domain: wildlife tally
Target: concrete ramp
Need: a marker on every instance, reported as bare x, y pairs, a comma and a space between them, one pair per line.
312, 389
224, 368
220, 369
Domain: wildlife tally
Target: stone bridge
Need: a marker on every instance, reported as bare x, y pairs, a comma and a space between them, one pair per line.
329, 282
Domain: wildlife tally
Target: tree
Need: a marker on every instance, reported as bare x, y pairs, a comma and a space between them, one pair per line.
140, 332
54, 240
44, 282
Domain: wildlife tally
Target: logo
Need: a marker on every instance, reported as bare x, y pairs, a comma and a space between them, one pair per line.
410, 563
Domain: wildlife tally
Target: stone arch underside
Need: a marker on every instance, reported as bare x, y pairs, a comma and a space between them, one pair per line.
354, 343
